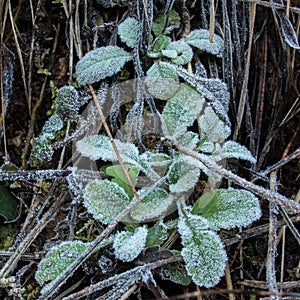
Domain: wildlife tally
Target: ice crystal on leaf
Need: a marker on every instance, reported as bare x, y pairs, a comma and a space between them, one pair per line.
179, 52
99, 147
228, 208
127, 31
199, 38
153, 205
182, 108
182, 176
101, 63
162, 80
212, 127
175, 274
105, 200
128, 245
203, 251
66, 103
233, 149
58, 259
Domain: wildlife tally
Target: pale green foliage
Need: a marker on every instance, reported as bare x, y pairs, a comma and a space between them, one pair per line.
203, 251
105, 200
233, 149
58, 259
153, 204
127, 31
162, 80
228, 208
199, 38
99, 147
182, 108
160, 44
159, 23
182, 176
128, 245
179, 52
101, 63
212, 127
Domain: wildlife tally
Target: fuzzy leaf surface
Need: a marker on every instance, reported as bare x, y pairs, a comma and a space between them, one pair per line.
127, 31
101, 63
199, 38
202, 252
128, 245
105, 200
228, 208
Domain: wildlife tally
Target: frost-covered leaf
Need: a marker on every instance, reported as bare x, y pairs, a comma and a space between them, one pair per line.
127, 31
183, 108
161, 43
228, 208
127, 245
199, 38
203, 251
182, 176
101, 63
66, 103
212, 127
179, 52
233, 149
153, 205
8, 205
99, 147
162, 80
287, 30
105, 200
58, 259
157, 159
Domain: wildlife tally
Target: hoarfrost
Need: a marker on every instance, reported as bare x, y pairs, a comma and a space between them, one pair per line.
152, 206
199, 38
235, 208
58, 259
99, 147
162, 80
127, 31
233, 149
105, 200
211, 127
182, 176
179, 52
127, 245
203, 251
101, 63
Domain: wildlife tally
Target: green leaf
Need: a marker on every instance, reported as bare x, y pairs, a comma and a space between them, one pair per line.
183, 108
105, 200
127, 245
127, 31
120, 178
162, 80
157, 234
206, 205
199, 38
161, 43
182, 176
8, 205
159, 23
179, 52
153, 205
233, 149
58, 259
101, 63
175, 273
203, 251
228, 208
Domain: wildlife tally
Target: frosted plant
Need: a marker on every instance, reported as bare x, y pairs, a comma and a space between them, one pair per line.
179, 52
128, 245
199, 38
101, 63
127, 31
